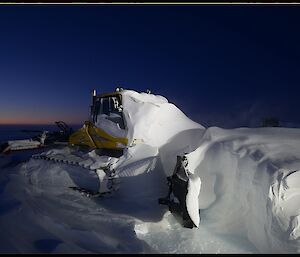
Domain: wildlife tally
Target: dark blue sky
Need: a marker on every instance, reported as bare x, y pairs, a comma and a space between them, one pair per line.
227, 66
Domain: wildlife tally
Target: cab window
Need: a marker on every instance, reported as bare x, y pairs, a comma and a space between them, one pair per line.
109, 108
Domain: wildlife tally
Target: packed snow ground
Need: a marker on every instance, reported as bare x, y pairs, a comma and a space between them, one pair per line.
39, 213
248, 201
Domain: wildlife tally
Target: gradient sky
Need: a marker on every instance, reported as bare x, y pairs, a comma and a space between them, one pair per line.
225, 66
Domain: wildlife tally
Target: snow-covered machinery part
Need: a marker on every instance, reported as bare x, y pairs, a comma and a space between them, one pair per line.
108, 180
94, 137
24, 144
179, 195
60, 136
108, 183
106, 128
41, 140
120, 119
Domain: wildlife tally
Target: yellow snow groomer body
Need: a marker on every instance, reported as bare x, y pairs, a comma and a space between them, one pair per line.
106, 127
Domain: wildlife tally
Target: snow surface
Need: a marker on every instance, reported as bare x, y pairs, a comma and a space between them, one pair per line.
248, 181
250, 185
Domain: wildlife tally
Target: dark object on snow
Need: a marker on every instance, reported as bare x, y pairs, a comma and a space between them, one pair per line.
270, 122
61, 136
178, 188
3, 147
86, 192
89, 193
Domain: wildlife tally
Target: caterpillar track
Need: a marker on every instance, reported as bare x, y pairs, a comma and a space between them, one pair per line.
109, 181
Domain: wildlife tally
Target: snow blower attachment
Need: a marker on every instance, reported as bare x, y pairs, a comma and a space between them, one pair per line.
177, 197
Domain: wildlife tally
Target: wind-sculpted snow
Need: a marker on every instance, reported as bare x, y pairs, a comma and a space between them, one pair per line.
250, 185
153, 119
39, 213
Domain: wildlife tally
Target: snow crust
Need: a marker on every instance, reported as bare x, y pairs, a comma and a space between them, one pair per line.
245, 182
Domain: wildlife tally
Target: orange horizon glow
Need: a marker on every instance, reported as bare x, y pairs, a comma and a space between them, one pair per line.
36, 121
51, 123
35, 118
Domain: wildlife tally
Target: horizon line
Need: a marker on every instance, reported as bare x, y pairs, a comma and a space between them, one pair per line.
9, 124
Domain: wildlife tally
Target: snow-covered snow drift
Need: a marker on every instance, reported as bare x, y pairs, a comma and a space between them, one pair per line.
245, 182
